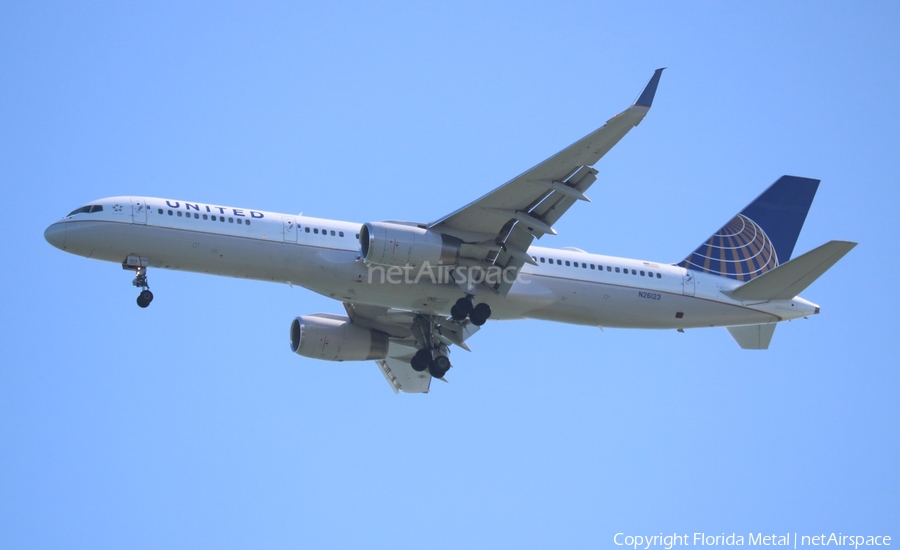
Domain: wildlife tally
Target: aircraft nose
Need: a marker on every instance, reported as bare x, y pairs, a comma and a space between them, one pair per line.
56, 235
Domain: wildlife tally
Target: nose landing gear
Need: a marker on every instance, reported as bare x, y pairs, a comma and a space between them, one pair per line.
139, 266
144, 298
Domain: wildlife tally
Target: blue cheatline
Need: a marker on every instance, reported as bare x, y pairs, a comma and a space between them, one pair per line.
761, 237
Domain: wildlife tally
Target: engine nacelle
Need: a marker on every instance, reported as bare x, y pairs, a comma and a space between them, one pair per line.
335, 338
387, 243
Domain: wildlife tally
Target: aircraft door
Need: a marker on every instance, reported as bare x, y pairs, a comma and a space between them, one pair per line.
139, 210
689, 284
290, 229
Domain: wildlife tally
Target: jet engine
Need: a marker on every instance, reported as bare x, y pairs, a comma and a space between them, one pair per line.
387, 243
335, 338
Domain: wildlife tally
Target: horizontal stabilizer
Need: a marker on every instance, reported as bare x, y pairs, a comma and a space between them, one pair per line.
753, 336
790, 279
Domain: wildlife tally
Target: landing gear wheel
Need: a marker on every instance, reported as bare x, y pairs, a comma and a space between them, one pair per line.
420, 360
480, 314
144, 298
439, 366
456, 315
482, 310
462, 309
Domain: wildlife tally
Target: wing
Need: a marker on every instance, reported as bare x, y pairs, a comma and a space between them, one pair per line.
498, 228
407, 331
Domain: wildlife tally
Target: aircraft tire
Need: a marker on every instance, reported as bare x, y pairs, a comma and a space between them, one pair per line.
482, 310
456, 315
463, 306
439, 366
420, 360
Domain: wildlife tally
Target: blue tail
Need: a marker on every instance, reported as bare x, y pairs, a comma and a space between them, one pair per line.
761, 237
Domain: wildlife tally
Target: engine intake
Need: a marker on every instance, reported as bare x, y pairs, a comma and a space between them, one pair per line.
387, 243
335, 338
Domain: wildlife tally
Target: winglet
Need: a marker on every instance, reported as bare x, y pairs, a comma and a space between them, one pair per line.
646, 97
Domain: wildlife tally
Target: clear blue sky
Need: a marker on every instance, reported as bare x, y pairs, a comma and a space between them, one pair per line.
190, 424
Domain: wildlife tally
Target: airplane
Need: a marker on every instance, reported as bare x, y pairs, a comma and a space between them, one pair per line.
412, 290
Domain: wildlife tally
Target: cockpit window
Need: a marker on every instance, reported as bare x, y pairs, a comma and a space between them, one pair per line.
89, 209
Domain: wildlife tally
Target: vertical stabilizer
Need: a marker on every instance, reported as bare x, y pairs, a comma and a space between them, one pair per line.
761, 236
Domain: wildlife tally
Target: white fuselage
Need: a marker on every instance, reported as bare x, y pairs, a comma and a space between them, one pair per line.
568, 286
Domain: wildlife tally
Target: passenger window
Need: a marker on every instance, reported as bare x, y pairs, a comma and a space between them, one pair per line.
357, 236
205, 217
230, 220
542, 261
179, 213
247, 222
316, 231
558, 262
567, 263
332, 232
340, 233
240, 221
221, 218
196, 216
642, 273
159, 210
307, 230
658, 276
170, 212
617, 270
634, 272
592, 266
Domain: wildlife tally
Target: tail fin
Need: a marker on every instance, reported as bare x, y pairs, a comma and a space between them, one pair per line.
761, 236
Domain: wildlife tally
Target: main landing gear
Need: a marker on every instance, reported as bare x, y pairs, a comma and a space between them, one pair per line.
436, 362
432, 354
465, 307
139, 266
433, 351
